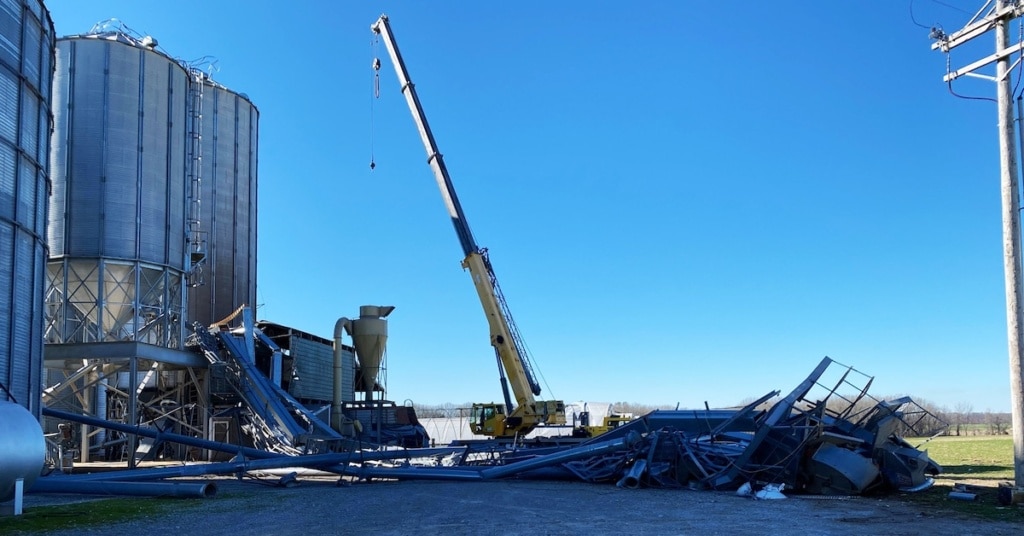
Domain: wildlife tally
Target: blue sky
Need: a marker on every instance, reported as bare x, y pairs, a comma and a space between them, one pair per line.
683, 203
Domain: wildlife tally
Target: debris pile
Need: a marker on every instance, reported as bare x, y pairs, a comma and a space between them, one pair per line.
808, 447
816, 440
829, 443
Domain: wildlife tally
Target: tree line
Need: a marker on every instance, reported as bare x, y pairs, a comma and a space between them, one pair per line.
922, 417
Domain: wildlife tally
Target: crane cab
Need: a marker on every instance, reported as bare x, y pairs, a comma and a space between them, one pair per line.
488, 419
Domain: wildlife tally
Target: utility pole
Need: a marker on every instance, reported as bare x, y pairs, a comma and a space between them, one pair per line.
998, 18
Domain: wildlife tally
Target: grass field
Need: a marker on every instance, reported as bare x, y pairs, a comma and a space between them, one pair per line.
980, 462
93, 513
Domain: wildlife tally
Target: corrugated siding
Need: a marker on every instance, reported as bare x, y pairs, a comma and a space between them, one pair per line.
31, 49
229, 131
25, 211
84, 169
59, 152
10, 31
8, 105
120, 203
176, 121
6, 302
26, 48
22, 317
8, 174
123, 172
315, 367
152, 153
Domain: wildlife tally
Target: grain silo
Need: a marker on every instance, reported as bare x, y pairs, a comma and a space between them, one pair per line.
117, 214
26, 72
227, 217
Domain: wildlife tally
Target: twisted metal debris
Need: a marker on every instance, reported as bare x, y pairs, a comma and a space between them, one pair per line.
817, 440
830, 443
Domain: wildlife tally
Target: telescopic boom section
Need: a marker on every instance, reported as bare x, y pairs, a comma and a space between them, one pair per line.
434, 158
504, 336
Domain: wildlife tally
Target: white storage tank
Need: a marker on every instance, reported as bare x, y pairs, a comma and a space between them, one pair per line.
22, 447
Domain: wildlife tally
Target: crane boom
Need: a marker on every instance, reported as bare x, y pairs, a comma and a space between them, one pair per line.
505, 338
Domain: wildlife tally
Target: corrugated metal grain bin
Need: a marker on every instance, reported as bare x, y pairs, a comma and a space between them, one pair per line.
229, 138
117, 214
26, 72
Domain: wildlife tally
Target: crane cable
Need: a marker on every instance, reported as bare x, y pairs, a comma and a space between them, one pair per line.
374, 46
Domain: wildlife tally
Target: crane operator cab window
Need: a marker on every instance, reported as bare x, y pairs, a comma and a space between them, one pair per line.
482, 414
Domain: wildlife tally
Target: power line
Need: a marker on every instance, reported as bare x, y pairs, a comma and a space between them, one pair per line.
949, 85
950, 6
1020, 58
914, 20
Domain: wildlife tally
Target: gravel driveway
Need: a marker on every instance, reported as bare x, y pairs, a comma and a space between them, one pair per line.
512, 507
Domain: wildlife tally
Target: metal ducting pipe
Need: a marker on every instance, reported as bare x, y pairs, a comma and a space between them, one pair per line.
201, 490
337, 418
632, 478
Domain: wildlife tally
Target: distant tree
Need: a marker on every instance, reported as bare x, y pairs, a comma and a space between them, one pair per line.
451, 411
962, 416
763, 406
637, 408
448, 410
428, 411
996, 422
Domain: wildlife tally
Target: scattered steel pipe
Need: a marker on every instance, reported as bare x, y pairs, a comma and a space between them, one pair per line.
161, 436
467, 473
568, 455
335, 463
415, 473
201, 490
632, 478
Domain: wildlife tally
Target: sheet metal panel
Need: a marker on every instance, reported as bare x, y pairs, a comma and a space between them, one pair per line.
313, 365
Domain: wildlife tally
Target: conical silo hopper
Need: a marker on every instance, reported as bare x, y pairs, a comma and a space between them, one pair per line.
369, 336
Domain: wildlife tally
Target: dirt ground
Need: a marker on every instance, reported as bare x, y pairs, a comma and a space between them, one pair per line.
514, 507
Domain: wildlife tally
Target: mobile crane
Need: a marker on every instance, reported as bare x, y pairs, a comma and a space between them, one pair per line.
514, 368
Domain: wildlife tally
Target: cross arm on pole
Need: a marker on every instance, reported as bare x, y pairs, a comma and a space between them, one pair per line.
992, 58
979, 27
